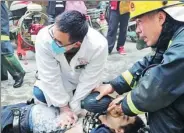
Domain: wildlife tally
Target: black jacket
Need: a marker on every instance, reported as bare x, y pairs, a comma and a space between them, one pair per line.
156, 86
6, 47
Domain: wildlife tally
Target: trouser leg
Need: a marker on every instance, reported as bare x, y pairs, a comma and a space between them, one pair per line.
15, 69
4, 73
112, 30
124, 19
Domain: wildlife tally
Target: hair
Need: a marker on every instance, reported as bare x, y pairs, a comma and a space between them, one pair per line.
135, 127
152, 13
74, 23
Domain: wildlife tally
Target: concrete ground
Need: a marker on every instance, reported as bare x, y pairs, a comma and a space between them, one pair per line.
116, 64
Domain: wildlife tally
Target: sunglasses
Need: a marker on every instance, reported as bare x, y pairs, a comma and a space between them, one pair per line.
59, 43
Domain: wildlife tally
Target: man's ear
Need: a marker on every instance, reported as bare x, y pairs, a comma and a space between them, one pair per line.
77, 44
162, 17
120, 130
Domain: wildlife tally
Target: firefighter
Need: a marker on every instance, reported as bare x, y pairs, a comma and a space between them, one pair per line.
8, 61
155, 84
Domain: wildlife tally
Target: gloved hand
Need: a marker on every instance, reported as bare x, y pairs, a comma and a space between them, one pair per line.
67, 118
96, 106
104, 105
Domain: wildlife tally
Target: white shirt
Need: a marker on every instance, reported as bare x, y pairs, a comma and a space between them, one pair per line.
58, 78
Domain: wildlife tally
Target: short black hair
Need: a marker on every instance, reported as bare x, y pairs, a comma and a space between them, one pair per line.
74, 23
135, 127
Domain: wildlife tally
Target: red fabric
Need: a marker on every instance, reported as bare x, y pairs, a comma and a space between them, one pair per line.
114, 5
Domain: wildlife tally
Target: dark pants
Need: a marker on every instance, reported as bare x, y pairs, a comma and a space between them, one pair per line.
8, 61
38, 93
114, 19
53, 11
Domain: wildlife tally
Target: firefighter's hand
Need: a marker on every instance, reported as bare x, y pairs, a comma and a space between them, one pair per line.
104, 90
115, 108
67, 118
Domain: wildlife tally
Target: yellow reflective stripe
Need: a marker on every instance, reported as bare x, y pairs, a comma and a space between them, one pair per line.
128, 77
132, 106
5, 38
169, 44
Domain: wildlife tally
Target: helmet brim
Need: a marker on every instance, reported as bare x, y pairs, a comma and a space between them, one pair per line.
175, 7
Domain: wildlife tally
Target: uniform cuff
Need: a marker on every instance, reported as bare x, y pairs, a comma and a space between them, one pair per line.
120, 85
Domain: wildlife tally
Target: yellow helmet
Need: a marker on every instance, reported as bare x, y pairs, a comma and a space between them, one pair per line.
141, 7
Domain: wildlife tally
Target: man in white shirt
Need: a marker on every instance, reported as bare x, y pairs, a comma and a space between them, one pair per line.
69, 56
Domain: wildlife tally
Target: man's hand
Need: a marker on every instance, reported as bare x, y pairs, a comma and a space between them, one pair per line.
67, 117
115, 108
104, 90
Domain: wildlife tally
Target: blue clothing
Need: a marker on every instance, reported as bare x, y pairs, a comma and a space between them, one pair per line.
38, 93
101, 129
30, 121
7, 117
6, 47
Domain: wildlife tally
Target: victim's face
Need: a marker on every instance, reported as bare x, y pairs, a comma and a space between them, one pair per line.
116, 123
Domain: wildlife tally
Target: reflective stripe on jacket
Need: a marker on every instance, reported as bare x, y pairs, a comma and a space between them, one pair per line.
6, 47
